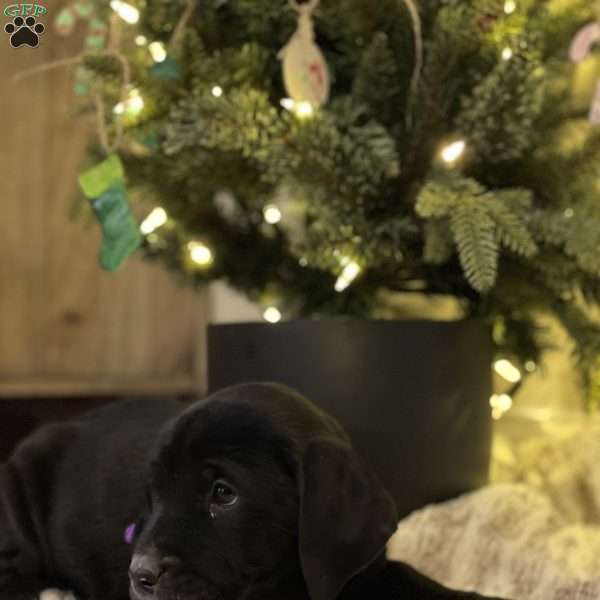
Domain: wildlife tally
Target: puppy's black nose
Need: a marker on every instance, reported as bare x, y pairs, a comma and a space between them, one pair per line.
146, 569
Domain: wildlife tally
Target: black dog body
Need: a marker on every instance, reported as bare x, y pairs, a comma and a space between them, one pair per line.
66, 496
253, 493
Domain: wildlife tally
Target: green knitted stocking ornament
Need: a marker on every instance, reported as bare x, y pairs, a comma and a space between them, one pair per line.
104, 185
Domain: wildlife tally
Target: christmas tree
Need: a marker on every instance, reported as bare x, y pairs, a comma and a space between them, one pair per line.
455, 152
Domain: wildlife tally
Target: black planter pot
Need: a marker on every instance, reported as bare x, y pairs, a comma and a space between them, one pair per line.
413, 395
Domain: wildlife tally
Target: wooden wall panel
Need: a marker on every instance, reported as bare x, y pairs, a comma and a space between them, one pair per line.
66, 326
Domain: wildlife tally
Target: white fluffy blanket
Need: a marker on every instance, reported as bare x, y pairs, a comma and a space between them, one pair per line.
537, 538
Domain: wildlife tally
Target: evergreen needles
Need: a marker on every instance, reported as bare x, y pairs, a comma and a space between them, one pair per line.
488, 192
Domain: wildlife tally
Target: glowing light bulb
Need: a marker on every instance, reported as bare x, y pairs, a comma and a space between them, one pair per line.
505, 402
272, 315
132, 106
200, 254
130, 14
288, 104
272, 214
141, 40
452, 152
501, 404
135, 103
158, 51
507, 370
304, 110
349, 274
157, 218
217, 91
510, 6
507, 53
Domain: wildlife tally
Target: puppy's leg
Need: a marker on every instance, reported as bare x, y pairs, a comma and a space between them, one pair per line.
13, 585
26, 483
20, 573
23, 590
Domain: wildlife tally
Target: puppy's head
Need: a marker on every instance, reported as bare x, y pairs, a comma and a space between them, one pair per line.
256, 493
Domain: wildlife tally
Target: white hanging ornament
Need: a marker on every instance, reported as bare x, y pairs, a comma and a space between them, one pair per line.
581, 48
305, 72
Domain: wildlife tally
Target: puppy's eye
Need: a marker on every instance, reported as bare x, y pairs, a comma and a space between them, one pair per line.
223, 494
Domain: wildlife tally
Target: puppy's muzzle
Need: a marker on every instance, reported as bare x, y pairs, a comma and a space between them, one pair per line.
146, 570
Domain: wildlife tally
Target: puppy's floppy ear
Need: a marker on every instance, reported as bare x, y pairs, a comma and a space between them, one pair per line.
346, 517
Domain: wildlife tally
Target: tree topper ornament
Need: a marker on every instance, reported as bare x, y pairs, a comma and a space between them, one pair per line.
305, 71
581, 48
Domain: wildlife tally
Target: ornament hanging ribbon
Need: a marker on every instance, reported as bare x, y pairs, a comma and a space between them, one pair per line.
305, 71
104, 185
415, 81
581, 48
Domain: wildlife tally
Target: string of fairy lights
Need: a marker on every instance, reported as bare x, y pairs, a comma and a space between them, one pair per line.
201, 256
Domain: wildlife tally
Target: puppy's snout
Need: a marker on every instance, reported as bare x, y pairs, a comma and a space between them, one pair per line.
146, 570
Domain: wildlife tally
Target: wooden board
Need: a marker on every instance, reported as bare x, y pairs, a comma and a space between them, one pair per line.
66, 326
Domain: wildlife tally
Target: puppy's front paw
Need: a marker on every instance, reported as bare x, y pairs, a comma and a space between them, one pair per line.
56, 595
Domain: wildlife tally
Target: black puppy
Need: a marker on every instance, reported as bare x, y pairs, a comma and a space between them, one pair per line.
251, 494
